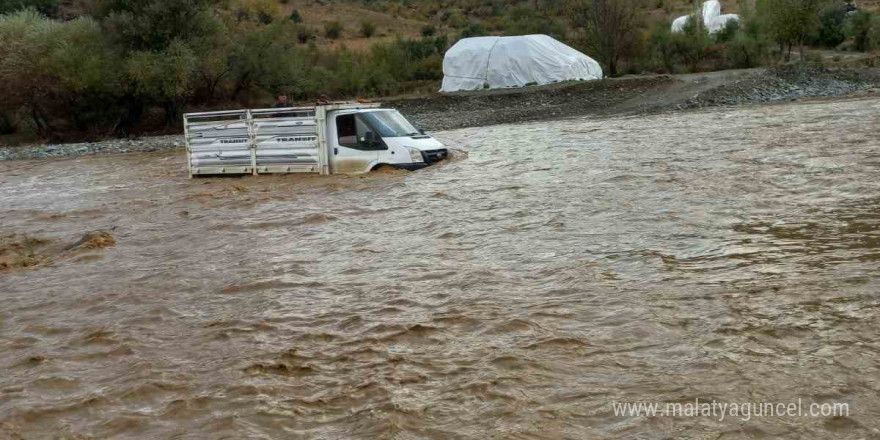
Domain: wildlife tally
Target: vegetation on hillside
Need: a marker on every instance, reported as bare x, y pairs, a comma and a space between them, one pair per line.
111, 67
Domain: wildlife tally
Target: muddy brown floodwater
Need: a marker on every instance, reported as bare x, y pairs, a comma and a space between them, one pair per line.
727, 255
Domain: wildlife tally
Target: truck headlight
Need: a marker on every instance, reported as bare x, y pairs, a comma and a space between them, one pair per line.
415, 155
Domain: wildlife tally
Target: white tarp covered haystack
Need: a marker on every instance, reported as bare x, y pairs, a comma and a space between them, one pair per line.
712, 18
502, 62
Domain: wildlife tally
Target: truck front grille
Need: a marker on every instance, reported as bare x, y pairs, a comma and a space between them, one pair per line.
433, 156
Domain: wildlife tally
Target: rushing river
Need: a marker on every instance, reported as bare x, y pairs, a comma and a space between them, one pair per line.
729, 255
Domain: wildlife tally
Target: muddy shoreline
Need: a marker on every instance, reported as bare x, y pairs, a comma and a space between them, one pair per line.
609, 97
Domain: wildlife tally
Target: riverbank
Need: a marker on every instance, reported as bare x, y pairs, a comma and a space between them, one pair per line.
616, 96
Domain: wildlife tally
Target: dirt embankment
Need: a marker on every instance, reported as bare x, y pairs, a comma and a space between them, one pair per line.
628, 95
638, 94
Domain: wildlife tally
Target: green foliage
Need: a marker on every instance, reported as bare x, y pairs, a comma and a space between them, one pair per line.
473, 30
165, 76
368, 28
333, 29
154, 24
832, 19
266, 58
791, 22
524, 20
45, 7
52, 69
742, 46
751, 46
727, 33
387, 69
862, 27
101, 74
692, 44
662, 49
609, 29
456, 19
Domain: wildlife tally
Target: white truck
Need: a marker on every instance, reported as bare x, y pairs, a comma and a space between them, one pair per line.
325, 138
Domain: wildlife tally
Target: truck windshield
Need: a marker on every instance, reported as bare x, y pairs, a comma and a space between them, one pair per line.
389, 124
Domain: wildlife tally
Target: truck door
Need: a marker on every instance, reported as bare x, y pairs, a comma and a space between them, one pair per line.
355, 147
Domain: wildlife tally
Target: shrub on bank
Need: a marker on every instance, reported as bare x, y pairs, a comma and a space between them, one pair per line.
72, 77
333, 29
142, 62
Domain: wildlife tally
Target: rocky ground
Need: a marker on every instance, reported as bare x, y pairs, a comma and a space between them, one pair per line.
111, 146
787, 84
488, 107
628, 95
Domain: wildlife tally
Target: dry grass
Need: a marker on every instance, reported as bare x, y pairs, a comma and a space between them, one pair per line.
388, 26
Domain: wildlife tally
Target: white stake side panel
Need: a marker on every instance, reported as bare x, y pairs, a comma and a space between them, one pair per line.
289, 140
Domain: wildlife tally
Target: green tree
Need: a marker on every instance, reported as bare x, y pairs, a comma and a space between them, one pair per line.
691, 46
727, 33
832, 21
792, 22
52, 70
165, 77
609, 28
751, 45
154, 24
266, 58
859, 29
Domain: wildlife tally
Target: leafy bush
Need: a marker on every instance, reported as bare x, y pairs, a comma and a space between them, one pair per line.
727, 33
858, 28
428, 30
368, 28
333, 29
751, 46
473, 30
661, 48
51, 70
295, 16
524, 20
832, 20
45, 7
304, 35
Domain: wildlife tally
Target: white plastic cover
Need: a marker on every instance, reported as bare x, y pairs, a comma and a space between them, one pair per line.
711, 17
711, 9
678, 23
718, 23
502, 62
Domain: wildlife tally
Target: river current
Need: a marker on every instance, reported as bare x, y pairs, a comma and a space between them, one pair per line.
520, 292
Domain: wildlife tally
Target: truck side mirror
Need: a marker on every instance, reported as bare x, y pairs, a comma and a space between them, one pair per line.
422, 131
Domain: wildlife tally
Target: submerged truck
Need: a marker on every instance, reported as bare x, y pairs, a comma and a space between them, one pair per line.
328, 138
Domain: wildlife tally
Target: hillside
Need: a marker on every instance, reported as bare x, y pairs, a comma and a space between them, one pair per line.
87, 69
396, 19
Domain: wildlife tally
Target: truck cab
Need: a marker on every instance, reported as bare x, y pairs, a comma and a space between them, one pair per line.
364, 139
330, 138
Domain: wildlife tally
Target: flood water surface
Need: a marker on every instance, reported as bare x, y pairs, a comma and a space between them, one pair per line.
728, 255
